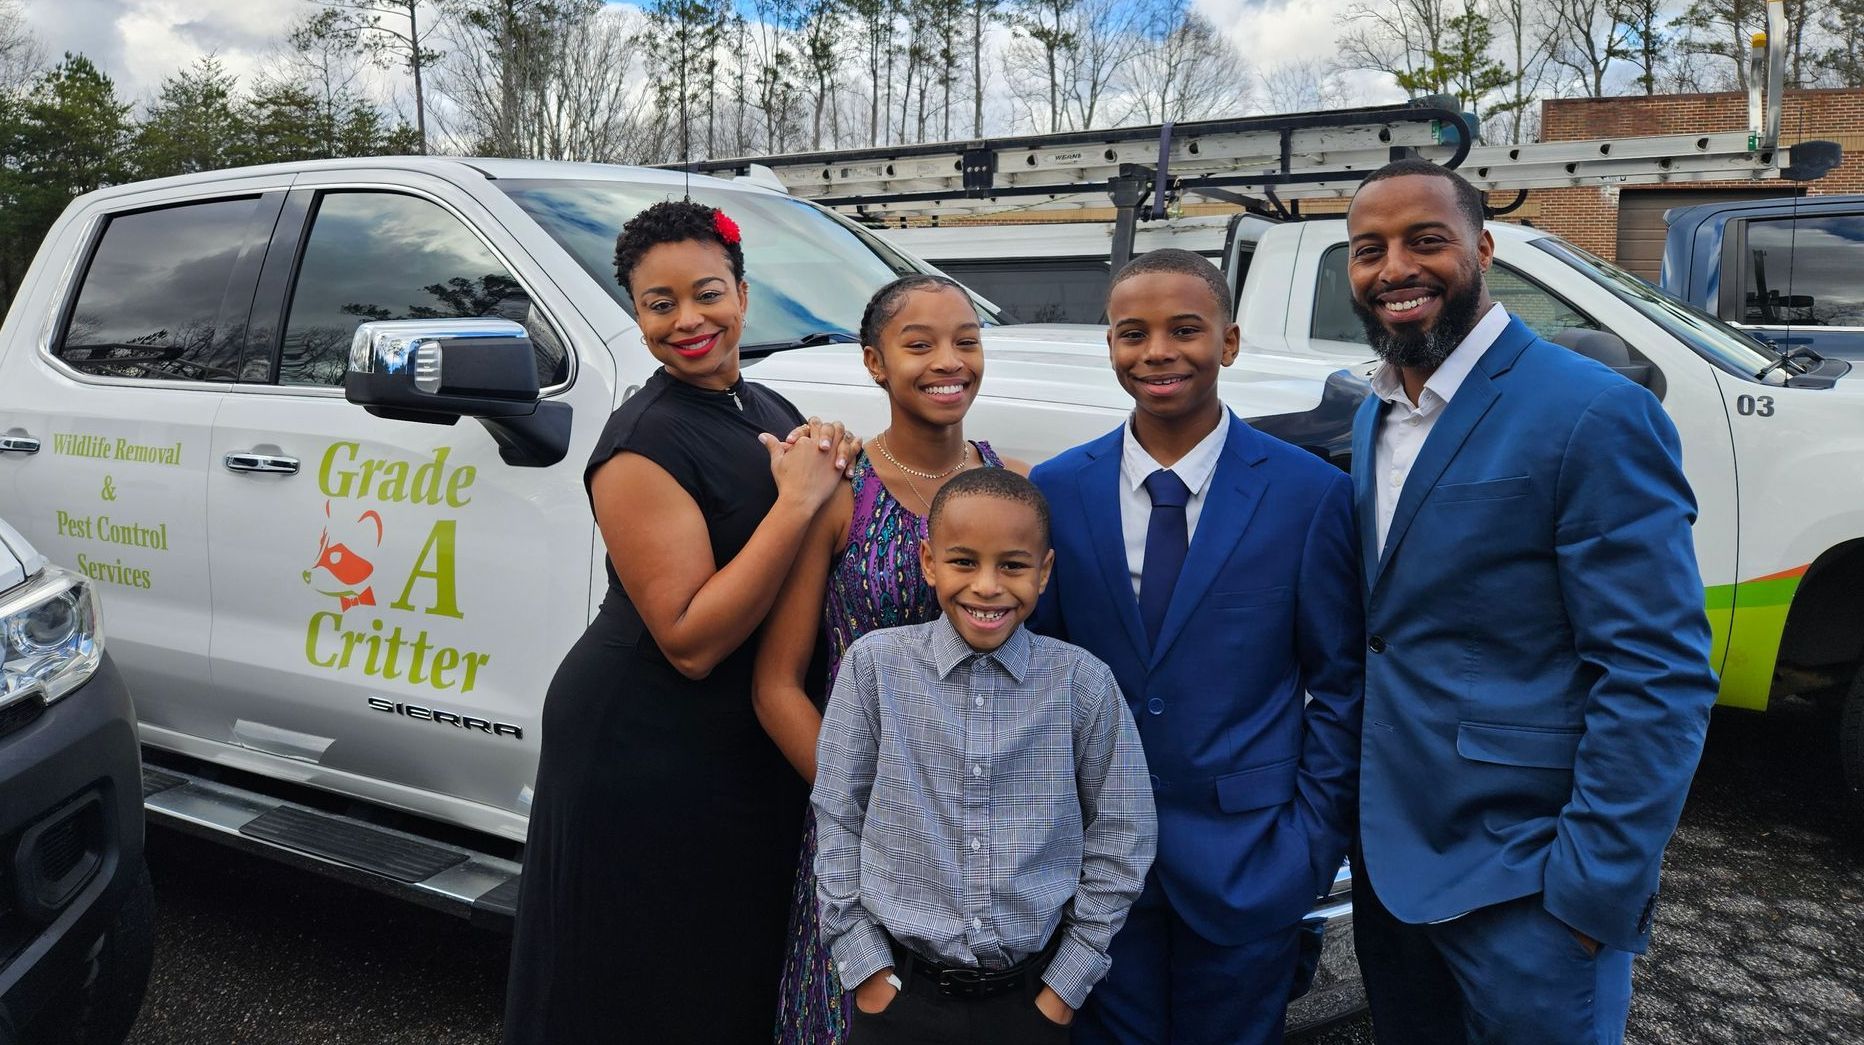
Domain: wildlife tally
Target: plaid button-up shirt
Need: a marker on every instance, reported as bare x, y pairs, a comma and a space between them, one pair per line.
970, 803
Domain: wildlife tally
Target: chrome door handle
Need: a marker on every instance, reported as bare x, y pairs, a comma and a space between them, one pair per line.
262, 463
18, 444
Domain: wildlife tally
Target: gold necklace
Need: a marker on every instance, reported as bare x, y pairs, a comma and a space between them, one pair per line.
964, 456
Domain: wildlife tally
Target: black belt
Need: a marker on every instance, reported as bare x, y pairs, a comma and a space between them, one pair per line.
961, 981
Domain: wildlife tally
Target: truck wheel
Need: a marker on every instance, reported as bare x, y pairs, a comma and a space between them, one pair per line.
1851, 739
101, 1009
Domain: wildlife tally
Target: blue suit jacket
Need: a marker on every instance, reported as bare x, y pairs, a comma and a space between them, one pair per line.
1539, 684
1254, 790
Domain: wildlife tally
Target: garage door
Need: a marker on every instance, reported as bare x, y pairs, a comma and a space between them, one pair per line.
1640, 220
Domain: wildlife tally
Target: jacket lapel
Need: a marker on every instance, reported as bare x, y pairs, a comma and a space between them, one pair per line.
1365, 494
1098, 483
1235, 490
1447, 436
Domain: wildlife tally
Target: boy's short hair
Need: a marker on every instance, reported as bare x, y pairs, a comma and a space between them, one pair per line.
1469, 199
1000, 483
1182, 263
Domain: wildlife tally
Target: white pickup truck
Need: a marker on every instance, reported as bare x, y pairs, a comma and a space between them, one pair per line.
340, 571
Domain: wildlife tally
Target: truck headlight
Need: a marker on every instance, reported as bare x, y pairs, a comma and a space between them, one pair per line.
51, 636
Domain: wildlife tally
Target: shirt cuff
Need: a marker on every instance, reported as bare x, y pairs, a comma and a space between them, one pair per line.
861, 953
1074, 971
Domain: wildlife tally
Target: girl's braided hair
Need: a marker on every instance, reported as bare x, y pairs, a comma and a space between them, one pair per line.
888, 300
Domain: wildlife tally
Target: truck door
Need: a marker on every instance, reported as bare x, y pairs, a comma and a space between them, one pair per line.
109, 417
390, 597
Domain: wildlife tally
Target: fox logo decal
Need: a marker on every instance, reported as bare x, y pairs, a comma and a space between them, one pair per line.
340, 572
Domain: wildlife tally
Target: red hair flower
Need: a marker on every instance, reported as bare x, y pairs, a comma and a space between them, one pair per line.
727, 229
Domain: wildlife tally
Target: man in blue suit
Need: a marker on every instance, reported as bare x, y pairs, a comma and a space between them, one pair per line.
1215, 570
1538, 681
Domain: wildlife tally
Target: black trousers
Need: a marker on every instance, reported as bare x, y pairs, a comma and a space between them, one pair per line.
920, 1015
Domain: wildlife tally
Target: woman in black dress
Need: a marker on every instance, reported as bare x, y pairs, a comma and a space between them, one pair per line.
657, 871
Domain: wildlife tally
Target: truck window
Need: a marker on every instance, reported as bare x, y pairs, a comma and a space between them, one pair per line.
1806, 271
384, 255
154, 302
1039, 290
1543, 311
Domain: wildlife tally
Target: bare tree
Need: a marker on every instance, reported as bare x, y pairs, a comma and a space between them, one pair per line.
1044, 34
1721, 30
1586, 36
983, 17
1187, 70
821, 47
591, 109
1523, 39
394, 33
1078, 61
1394, 36
22, 57
1303, 85
876, 17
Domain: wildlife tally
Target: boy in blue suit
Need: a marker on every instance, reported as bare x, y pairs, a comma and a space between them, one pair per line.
1538, 683
1215, 570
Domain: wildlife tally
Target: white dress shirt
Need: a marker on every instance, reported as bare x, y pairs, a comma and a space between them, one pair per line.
1194, 469
1408, 425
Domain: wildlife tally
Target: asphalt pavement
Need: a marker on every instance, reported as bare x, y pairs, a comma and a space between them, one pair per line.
1759, 939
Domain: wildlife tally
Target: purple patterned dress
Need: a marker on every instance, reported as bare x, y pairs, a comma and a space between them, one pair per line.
875, 583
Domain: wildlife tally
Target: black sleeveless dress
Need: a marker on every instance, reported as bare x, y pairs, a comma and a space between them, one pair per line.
663, 830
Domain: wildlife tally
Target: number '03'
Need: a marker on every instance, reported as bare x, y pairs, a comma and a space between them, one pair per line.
1754, 406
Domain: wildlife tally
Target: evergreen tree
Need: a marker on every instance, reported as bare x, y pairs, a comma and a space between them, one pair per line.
1461, 65
195, 124
68, 135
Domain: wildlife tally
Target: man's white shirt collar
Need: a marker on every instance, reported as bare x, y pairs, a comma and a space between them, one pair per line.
1194, 469
1388, 381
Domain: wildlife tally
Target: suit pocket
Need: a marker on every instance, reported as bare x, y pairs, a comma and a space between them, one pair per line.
1486, 490
1258, 788
1238, 600
1534, 746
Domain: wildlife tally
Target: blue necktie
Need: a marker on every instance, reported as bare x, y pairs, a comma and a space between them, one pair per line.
1167, 538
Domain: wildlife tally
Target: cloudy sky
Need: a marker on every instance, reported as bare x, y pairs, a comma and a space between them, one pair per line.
140, 41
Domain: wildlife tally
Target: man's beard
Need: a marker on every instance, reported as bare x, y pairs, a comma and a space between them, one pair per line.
1426, 349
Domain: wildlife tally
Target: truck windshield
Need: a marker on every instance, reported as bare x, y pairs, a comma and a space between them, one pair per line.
1715, 339
810, 272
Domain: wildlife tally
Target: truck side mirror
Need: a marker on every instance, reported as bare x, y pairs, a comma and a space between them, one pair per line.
1605, 347
439, 370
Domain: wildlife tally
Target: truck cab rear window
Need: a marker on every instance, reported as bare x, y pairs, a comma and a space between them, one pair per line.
156, 300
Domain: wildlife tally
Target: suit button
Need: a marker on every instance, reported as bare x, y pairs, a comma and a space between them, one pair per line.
1155, 706
1375, 644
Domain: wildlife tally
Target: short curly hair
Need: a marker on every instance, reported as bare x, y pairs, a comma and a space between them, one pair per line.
670, 221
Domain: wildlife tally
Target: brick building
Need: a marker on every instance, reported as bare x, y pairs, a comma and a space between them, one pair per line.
1626, 224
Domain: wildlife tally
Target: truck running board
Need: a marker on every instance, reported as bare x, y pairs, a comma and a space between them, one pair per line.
450, 878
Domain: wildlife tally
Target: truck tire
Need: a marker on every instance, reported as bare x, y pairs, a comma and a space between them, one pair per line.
100, 1009
1851, 740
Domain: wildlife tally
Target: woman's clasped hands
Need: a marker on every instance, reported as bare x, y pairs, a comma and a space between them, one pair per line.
812, 460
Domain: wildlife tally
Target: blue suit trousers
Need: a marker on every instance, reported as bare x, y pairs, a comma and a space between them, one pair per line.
1505, 974
1170, 986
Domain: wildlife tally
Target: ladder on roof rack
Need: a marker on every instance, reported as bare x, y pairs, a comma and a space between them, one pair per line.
1283, 159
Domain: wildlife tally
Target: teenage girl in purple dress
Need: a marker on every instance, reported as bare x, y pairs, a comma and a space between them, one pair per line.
858, 570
